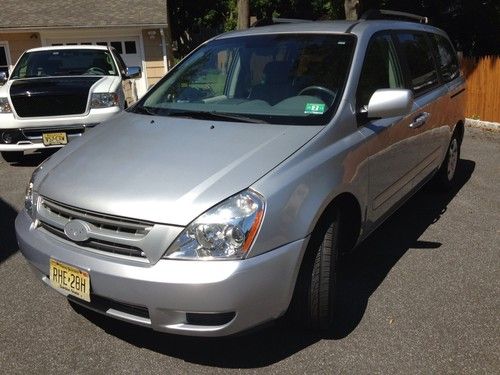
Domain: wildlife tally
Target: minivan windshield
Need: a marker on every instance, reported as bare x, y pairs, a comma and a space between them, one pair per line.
65, 62
276, 78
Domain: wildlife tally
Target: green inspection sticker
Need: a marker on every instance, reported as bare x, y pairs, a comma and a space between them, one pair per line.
314, 109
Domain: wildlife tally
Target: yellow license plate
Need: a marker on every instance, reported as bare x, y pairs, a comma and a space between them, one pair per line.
53, 139
70, 279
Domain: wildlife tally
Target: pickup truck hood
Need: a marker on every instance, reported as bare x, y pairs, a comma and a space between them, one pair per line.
163, 169
40, 85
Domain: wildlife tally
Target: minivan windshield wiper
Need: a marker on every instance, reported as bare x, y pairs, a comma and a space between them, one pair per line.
221, 116
143, 110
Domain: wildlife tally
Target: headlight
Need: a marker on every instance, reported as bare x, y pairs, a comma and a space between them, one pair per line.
104, 100
29, 200
31, 197
226, 231
5, 106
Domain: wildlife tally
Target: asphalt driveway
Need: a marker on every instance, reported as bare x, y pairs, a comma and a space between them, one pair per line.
421, 295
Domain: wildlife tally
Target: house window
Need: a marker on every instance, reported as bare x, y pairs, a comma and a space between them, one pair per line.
117, 46
4, 61
130, 47
102, 43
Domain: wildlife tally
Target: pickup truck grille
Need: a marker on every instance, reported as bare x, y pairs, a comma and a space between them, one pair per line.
107, 233
51, 96
56, 105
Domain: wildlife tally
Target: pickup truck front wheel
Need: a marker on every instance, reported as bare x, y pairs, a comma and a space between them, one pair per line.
12, 156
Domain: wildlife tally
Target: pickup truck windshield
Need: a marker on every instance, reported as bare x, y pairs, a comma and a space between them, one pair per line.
65, 62
277, 78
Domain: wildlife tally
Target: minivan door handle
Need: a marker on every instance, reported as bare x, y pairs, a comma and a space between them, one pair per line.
420, 120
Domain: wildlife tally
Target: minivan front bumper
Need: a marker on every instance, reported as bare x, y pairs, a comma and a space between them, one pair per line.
175, 296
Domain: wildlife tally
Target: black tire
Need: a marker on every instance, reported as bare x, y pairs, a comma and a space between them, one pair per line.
313, 302
12, 156
445, 177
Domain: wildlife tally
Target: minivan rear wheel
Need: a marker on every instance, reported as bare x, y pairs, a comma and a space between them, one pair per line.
446, 175
313, 302
12, 156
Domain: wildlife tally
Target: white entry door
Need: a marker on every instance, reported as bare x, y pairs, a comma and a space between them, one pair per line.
129, 49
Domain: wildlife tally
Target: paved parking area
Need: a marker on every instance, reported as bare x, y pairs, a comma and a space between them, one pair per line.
421, 295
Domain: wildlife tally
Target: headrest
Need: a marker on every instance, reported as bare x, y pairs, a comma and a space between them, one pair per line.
277, 72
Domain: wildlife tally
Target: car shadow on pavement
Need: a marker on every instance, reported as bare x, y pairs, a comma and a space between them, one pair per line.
363, 270
8, 243
361, 273
35, 158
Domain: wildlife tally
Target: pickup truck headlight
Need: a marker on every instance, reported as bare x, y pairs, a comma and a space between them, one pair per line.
5, 106
104, 100
226, 231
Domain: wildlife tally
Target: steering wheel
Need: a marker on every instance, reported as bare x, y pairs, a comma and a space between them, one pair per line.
322, 91
95, 70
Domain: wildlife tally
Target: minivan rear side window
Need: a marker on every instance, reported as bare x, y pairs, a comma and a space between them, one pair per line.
419, 60
447, 60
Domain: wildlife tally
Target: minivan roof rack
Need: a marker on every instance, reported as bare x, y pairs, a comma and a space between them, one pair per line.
276, 21
381, 14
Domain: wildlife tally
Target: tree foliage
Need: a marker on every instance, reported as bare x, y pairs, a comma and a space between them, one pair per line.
473, 25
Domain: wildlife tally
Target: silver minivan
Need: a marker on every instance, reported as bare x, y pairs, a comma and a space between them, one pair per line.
224, 197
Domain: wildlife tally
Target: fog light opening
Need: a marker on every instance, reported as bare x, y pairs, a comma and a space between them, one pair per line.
7, 137
209, 319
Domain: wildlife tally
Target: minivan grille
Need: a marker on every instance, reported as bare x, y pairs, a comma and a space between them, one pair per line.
107, 233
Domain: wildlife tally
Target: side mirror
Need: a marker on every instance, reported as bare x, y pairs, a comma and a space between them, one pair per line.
3, 78
133, 72
390, 103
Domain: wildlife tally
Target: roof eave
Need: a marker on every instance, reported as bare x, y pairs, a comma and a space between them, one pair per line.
36, 28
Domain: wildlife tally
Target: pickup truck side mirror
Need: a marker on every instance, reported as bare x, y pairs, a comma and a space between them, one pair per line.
3, 78
390, 103
133, 72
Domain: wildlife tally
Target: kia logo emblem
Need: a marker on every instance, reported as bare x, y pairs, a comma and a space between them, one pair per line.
77, 230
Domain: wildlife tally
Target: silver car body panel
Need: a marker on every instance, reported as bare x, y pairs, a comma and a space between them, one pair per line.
163, 179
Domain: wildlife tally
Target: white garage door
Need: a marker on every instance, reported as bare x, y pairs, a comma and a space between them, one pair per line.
129, 49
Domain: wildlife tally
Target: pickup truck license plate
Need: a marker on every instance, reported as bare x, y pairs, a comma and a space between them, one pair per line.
70, 279
53, 139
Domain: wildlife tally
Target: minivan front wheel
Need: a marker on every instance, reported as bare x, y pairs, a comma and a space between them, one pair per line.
315, 291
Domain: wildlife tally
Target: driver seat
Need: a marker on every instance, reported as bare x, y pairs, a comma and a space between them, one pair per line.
277, 83
101, 63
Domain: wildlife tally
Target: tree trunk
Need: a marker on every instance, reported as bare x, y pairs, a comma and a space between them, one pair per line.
168, 40
352, 8
243, 14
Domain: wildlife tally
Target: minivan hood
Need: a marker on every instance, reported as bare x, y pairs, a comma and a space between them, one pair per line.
168, 170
